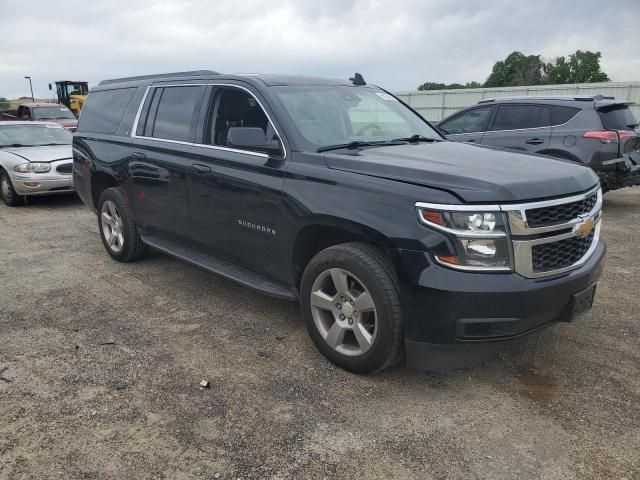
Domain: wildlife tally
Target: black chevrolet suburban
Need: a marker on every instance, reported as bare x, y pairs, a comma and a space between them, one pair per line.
337, 195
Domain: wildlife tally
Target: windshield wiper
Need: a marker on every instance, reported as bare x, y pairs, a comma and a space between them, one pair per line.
358, 144
416, 139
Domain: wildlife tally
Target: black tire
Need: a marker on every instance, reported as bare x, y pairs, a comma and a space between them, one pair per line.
10, 196
132, 248
375, 271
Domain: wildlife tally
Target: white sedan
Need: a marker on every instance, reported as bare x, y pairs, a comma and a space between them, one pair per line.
35, 159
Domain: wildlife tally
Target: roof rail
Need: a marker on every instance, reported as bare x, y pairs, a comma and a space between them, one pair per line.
578, 98
193, 73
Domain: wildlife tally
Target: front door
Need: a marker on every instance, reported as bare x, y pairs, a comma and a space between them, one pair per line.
159, 162
468, 126
236, 192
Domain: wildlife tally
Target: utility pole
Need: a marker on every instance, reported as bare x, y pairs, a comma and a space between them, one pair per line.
31, 87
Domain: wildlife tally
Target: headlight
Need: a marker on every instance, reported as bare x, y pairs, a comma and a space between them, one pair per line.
32, 167
479, 237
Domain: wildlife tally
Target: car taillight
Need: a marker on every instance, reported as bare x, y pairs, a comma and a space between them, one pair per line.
608, 136
624, 134
605, 136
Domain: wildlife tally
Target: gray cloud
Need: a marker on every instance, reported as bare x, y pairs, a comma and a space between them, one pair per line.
394, 43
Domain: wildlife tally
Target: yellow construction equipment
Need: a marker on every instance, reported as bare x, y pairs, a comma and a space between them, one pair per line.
71, 93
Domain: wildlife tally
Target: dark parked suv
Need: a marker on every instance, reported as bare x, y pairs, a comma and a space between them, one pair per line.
339, 196
596, 131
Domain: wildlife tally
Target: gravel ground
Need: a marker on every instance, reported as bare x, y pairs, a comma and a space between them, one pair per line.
104, 361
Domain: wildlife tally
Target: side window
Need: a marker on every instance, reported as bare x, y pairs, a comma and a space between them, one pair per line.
104, 110
236, 108
175, 111
560, 115
518, 117
475, 120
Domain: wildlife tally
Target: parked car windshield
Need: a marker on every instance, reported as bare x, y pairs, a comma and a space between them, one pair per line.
327, 115
33, 135
60, 111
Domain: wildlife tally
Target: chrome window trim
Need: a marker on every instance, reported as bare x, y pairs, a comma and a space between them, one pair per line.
134, 129
522, 129
534, 128
521, 248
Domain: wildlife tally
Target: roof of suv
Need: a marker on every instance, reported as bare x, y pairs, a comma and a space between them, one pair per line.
597, 101
264, 78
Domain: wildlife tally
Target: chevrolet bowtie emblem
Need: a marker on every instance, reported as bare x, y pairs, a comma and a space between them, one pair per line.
585, 227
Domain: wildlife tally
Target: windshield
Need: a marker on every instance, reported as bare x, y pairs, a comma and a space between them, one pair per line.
42, 113
33, 135
332, 115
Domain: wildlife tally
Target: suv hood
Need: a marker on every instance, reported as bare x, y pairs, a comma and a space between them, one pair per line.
48, 153
473, 173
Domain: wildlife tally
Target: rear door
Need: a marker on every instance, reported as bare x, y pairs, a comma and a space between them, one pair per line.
522, 127
467, 126
159, 162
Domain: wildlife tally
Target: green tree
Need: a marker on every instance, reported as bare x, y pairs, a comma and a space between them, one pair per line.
448, 86
515, 70
4, 104
582, 67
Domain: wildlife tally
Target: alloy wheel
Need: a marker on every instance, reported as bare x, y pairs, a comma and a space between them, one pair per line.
112, 227
344, 312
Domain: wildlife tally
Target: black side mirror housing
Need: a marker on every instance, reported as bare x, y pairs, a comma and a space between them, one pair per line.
252, 138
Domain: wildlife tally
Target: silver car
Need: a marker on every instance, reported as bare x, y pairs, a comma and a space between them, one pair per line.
35, 159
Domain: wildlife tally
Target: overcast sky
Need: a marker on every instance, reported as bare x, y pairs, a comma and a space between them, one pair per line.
397, 44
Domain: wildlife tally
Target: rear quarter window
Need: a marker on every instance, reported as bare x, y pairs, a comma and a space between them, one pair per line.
618, 117
104, 110
560, 114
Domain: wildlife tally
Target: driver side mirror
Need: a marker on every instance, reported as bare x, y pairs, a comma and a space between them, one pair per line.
252, 138
50, 87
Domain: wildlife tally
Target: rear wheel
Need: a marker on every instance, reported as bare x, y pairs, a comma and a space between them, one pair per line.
7, 192
117, 228
350, 302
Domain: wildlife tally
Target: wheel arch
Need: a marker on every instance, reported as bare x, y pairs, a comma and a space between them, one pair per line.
553, 152
100, 181
324, 232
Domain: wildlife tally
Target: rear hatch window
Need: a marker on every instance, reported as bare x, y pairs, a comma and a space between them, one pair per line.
617, 117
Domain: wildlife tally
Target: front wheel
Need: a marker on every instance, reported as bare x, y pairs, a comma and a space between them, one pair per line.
350, 300
7, 192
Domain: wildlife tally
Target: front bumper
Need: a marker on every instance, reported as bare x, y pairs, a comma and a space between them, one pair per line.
452, 308
41, 183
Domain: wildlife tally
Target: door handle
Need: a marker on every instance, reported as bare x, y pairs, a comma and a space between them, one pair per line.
472, 141
201, 169
138, 156
534, 141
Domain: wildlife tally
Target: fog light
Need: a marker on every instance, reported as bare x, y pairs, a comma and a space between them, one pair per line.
31, 184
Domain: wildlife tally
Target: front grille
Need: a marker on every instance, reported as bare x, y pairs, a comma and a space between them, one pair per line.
563, 213
561, 254
65, 168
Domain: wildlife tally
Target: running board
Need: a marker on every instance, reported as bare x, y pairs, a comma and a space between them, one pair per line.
222, 268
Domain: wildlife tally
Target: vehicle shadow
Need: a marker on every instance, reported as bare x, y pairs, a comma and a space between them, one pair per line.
70, 200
